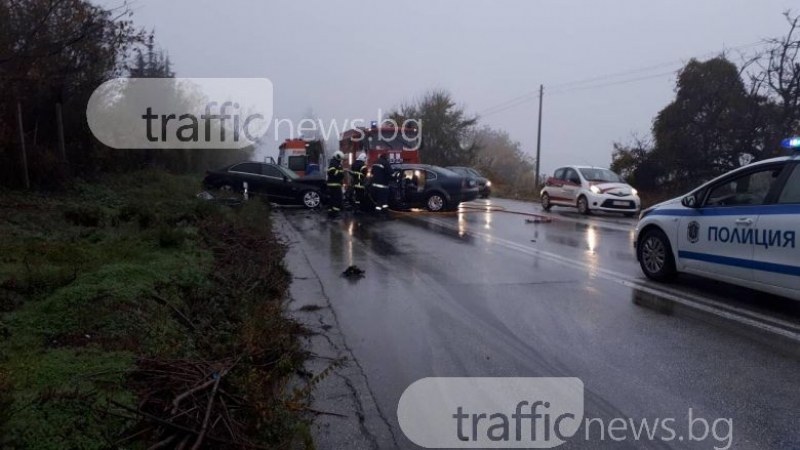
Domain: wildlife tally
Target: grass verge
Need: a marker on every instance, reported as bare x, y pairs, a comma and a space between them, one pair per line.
133, 313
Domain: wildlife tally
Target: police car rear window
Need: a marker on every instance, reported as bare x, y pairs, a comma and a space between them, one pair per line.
749, 189
791, 191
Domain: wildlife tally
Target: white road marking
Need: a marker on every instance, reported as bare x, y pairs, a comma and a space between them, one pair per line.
760, 321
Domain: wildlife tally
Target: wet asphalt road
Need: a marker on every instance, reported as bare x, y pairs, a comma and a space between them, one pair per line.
489, 293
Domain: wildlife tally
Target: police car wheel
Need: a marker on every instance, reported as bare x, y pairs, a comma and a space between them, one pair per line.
583, 206
436, 202
311, 199
655, 256
546, 205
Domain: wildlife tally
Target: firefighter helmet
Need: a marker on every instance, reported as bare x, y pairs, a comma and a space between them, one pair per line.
338, 155
362, 157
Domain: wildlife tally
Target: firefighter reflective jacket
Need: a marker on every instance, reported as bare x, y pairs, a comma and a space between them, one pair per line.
381, 172
335, 172
358, 172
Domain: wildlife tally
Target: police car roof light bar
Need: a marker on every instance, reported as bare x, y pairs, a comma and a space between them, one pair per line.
792, 143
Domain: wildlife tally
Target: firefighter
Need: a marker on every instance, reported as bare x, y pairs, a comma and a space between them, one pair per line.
381, 177
335, 178
358, 177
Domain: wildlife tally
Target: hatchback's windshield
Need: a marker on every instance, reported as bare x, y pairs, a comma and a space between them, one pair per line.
602, 175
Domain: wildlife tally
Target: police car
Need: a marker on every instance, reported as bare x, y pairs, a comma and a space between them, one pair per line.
742, 228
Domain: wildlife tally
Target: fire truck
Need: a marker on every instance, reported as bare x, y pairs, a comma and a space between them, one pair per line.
302, 156
400, 144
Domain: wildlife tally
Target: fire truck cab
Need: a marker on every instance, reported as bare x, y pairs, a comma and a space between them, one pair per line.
400, 144
305, 157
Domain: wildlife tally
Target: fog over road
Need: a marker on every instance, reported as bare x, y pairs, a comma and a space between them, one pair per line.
491, 293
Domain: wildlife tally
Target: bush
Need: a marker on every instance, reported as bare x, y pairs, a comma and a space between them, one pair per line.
170, 237
85, 216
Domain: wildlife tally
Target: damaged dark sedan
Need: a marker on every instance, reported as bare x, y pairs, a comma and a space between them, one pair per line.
431, 187
278, 184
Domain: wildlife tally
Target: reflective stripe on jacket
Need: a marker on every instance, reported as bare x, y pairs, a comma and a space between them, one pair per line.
335, 172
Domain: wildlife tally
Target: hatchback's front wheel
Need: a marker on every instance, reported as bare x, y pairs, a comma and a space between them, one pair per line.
655, 256
583, 206
546, 205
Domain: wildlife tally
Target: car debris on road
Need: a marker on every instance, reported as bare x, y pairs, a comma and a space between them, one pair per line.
353, 272
539, 220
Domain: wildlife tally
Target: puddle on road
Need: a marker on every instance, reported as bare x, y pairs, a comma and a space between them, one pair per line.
458, 233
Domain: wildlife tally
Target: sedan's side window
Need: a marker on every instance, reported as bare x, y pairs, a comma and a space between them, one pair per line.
248, 167
745, 190
410, 181
272, 171
791, 191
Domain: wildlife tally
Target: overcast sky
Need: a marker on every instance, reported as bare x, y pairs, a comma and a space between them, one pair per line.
346, 59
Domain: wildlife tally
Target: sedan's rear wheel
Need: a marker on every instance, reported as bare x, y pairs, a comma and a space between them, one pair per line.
655, 256
311, 199
436, 202
546, 205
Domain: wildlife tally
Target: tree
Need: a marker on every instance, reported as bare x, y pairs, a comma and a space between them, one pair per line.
779, 81
716, 122
151, 63
635, 163
704, 131
502, 160
55, 52
446, 128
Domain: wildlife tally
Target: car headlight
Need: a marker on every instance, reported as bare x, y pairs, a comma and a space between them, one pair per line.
634, 191
595, 189
488, 183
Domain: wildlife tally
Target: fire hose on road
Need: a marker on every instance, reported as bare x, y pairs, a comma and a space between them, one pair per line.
472, 208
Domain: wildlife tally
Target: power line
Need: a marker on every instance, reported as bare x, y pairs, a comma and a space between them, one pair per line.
650, 68
576, 84
514, 102
518, 102
613, 83
522, 101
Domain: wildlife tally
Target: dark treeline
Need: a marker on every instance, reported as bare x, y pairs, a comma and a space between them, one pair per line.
724, 115
53, 54
452, 137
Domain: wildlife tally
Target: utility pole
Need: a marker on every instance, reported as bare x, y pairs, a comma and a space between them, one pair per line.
539, 137
25, 179
62, 149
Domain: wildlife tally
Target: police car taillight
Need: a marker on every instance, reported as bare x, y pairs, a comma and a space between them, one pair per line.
792, 143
